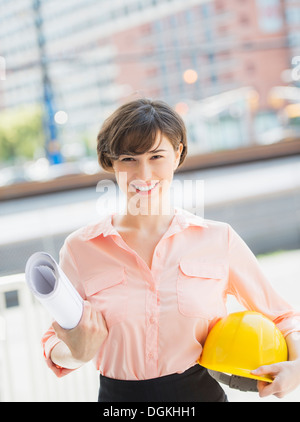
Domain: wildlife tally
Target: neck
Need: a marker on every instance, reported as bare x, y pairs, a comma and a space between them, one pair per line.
146, 223
151, 220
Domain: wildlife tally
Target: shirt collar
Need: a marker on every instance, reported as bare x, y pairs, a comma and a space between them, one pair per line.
186, 219
104, 227
182, 220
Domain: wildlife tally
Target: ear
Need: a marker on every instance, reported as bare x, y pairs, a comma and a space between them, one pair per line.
178, 155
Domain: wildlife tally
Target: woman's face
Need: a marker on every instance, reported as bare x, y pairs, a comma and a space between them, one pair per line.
147, 177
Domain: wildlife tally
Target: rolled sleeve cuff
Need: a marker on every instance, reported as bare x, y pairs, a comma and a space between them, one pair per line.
58, 370
288, 325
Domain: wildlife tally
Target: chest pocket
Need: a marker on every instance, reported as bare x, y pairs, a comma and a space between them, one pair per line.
200, 288
107, 291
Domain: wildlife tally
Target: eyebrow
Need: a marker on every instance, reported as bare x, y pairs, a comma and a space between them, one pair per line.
149, 152
157, 150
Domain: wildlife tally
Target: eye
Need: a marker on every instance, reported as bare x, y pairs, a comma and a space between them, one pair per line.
126, 159
156, 157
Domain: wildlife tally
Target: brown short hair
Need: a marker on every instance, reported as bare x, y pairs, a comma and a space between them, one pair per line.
133, 128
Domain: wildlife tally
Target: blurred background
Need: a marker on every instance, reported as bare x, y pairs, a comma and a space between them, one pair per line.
231, 68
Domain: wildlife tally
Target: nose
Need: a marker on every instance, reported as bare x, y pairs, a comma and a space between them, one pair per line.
144, 172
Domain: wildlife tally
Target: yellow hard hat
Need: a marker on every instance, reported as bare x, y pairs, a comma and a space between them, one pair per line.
242, 342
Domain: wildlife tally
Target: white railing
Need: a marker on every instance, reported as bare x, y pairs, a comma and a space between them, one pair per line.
24, 375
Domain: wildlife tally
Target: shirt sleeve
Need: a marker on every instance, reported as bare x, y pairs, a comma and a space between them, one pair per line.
249, 285
49, 339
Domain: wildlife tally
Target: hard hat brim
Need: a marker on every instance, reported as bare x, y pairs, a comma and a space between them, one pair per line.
236, 371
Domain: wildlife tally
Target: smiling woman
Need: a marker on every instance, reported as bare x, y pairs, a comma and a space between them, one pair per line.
154, 283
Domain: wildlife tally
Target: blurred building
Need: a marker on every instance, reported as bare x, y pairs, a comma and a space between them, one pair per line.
98, 53
229, 43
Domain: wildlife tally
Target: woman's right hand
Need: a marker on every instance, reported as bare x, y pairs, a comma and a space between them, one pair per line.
86, 338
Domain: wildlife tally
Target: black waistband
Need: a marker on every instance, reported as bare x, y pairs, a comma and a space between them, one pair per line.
193, 385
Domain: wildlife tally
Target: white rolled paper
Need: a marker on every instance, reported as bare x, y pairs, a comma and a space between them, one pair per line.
53, 289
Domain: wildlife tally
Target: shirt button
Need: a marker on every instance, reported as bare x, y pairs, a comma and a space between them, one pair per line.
158, 254
152, 320
150, 355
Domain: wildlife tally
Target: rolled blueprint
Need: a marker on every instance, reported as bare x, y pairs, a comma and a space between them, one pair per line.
53, 289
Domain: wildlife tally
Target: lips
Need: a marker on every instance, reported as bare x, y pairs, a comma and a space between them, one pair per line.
146, 187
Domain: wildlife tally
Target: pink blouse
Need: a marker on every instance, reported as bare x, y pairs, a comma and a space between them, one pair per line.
158, 318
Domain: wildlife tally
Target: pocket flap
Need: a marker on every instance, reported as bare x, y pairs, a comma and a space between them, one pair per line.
104, 280
203, 268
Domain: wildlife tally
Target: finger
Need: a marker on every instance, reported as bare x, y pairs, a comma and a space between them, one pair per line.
87, 308
102, 324
269, 388
266, 390
57, 328
95, 319
101, 319
86, 313
98, 317
261, 385
266, 370
59, 331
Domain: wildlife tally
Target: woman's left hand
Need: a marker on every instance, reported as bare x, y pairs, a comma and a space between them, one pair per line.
286, 377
